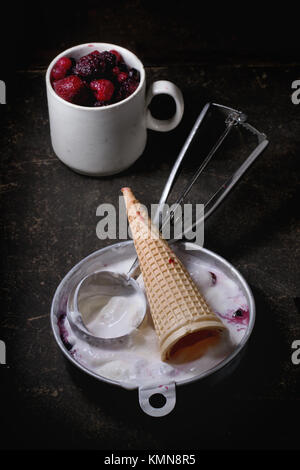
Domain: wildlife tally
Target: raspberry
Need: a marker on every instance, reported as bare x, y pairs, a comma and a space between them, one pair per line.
90, 66
72, 89
103, 89
122, 76
61, 68
118, 55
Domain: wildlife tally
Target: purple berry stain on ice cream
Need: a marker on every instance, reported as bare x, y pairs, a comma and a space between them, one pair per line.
239, 317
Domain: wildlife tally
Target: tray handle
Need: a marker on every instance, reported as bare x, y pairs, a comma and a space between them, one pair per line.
168, 391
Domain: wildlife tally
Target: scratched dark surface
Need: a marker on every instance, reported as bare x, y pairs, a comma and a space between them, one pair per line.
48, 223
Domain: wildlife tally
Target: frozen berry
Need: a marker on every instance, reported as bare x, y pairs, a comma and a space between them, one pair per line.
61, 68
72, 89
135, 74
117, 55
122, 76
90, 66
97, 79
103, 89
109, 61
127, 88
123, 67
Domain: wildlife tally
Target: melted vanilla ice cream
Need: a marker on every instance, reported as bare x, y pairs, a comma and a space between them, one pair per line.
135, 360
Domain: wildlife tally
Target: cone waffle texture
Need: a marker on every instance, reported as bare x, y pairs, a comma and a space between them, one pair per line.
177, 307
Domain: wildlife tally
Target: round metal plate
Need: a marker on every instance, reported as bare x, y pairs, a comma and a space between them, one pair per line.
125, 250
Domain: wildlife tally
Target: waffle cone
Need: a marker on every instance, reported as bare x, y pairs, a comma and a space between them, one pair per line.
180, 313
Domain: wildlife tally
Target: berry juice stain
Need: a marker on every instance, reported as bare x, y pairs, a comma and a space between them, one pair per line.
140, 215
213, 278
239, 317
63, 331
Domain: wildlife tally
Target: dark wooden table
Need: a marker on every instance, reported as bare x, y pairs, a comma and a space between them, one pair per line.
48, 223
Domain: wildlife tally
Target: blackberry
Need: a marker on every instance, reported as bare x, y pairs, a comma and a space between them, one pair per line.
109, 61
90, 66
123, 67
127, 88
135, 74
117, 54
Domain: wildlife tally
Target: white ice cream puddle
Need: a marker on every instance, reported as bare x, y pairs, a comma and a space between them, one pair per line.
136, 361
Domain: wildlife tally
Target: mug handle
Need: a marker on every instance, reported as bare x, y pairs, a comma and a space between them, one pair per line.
167, 88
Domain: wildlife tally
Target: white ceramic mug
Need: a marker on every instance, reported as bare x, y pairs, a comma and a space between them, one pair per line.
106, 140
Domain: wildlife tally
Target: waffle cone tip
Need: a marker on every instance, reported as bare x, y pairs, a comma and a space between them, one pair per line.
179, 311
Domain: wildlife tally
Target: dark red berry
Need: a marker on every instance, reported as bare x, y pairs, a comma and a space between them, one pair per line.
122, 76
61, 68
72, 89
109, 61
103, 89
64, 62
135, 74
126, 89
123, 67
117, 55
90, 66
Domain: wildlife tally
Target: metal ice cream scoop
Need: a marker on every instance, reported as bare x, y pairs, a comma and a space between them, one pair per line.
106, 283
93, 295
